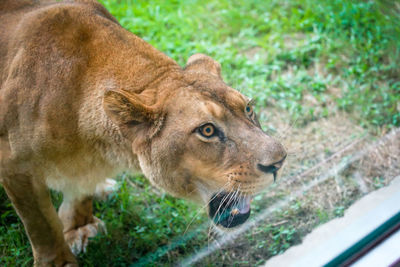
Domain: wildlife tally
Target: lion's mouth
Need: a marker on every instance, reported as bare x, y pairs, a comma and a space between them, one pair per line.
228, 209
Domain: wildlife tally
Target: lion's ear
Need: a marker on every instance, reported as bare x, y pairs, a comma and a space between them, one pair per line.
203, 63
126, 109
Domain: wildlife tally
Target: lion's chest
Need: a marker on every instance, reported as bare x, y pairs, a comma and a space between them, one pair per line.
79, 174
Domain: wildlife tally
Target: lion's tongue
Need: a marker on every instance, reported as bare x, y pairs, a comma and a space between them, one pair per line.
244, 205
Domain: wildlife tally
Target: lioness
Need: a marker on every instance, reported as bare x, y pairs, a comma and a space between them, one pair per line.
81, 99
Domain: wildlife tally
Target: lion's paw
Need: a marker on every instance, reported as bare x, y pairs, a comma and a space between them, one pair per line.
104, 189
78, 239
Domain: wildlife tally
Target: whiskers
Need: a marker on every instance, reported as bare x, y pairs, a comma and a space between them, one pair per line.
256, 187
222, 204
227, 184
232, 197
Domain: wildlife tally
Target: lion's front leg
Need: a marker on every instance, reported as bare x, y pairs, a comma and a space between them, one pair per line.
76, 214
79, 223
31, 199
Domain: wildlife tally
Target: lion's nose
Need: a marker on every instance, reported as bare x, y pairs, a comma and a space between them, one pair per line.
271, 168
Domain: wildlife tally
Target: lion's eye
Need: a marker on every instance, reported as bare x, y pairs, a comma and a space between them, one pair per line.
207, 130
249, 111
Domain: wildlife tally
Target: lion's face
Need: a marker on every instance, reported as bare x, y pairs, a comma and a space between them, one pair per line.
205, 143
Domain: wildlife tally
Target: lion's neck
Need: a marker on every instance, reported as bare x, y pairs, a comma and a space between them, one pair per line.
126, 63
99, 133
102, 134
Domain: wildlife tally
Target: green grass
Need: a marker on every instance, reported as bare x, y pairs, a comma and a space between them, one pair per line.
356, 41
343, 55
139, 219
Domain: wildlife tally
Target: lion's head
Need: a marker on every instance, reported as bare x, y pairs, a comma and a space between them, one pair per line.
199, 140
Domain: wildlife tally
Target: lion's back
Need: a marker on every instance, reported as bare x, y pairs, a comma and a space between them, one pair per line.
42, 65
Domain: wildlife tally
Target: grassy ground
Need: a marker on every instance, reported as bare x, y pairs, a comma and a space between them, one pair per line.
326, 70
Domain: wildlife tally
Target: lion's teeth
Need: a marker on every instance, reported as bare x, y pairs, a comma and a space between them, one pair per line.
235, 211
244, 205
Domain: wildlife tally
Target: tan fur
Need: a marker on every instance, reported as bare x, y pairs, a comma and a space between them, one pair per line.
81, 99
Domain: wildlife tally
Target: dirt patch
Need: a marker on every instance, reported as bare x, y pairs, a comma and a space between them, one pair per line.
252, 53
295, 40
